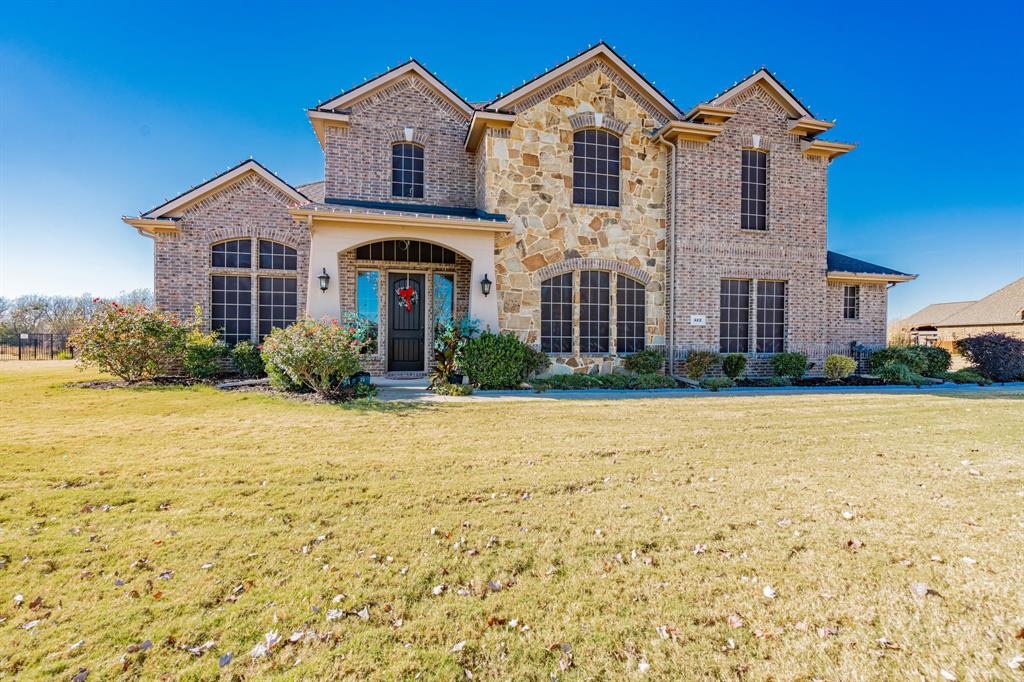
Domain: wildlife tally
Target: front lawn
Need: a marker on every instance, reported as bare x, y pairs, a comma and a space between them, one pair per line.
840, 537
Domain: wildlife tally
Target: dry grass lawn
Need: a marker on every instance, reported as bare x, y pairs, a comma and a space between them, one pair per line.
849, 537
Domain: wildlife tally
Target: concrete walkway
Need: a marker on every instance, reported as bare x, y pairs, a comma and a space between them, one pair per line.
415, 390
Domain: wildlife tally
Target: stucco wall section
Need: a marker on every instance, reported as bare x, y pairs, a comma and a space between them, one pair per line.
249, 208
357, 158
528, 177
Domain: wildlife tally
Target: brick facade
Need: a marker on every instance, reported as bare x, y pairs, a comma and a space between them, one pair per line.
688, 193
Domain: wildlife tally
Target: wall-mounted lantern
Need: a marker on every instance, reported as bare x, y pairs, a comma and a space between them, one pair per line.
485, 285
325, 279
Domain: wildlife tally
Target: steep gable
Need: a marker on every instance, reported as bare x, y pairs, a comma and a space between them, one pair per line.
766, 82
598, 58
349, 99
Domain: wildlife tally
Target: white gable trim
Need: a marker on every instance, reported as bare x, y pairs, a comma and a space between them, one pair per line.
348, 98
598, 51
175, 206
775, 87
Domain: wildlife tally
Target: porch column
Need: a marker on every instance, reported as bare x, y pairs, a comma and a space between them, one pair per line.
484, 308
323, 254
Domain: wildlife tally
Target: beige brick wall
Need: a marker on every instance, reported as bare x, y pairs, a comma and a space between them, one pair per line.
357, 159
869, 328
249, 208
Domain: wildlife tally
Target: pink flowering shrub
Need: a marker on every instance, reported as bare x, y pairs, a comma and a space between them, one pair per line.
314, 356
133, 343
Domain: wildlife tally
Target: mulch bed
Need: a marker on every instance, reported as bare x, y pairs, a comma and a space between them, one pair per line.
815, 381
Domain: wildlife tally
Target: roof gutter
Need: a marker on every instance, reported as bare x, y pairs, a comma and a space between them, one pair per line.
311, 215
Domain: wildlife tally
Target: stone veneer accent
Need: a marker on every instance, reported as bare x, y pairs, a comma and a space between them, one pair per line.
250, 207
528, 178
357, 159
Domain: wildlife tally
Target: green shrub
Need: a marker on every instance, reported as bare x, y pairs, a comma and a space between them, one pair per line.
647, 361
900, 373
699, 363
365, 391
904, 355
568, 382
363, 330
838, 367
279, 379
450, 339
132, 343
792, 365
647, 382
315, 355
967, 376
247, 359
937, 360
498, 361
734, 364
201, 354
614, 381
65, 355
717, 383
780, 381
999, 357
453, 389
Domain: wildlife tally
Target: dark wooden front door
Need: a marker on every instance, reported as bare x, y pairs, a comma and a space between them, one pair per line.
405, 322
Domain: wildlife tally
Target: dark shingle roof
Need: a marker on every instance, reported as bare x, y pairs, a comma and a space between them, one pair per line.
421, 209
837, 262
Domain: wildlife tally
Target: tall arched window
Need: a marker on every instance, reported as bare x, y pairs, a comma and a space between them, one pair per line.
407, 170
595, 168
234, 280
630, 313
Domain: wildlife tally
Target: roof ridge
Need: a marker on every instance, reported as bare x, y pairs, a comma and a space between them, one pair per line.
407, 62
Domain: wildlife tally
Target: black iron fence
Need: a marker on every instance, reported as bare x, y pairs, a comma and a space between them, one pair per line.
35, 347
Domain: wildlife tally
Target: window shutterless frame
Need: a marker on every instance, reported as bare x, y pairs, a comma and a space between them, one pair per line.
407, 170
754, 190
595, 168
851, 302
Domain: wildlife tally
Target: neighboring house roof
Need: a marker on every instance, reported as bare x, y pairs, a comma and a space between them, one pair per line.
773, 85
1005, 306
838, 264
600, 51
347, 98
931, 315
313, 190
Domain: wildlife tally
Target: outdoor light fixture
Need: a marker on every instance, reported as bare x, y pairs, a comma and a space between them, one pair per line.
485, 285
325, 279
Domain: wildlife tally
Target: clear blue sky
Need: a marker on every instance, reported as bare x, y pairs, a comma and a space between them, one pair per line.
107, 109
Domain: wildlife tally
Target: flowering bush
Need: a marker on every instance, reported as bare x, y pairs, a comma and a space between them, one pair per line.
133, 343
316, 356
364, 330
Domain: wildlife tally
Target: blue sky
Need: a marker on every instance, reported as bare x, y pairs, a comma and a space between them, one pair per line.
107, 109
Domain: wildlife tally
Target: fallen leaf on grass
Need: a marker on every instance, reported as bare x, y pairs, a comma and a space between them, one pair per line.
643, 666
734, 621
439, 589
887, 643
81, 675
948, 675
768, 592
1016, 663
225, 659
922, 590
459, 646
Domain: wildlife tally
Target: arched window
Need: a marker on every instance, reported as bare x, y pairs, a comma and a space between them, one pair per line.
236, 253
407, 170
630, 313
595, 168
275, 256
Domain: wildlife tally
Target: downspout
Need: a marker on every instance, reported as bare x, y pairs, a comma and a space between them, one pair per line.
670, 275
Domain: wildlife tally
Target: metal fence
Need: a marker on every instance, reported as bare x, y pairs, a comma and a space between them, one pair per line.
36, 347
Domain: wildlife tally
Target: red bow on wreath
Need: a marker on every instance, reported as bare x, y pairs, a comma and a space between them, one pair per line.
406, 295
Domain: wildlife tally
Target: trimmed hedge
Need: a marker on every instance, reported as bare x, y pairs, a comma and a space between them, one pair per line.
733, 365
925, 360
838, 367
500, 361
792, 365
634, 382
648, 361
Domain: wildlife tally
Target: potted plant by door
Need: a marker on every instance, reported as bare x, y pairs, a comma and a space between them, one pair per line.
450, 339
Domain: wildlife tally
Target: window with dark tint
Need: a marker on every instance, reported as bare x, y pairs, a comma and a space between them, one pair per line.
556, 314
236, 253
595, 168
274, 256
278, 303
594, 311
405, 251
851, 302
407, 170
734, 316
771, 317
630, 315
232, 307
754, 187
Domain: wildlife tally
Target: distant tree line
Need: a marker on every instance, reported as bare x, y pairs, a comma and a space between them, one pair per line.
38, 314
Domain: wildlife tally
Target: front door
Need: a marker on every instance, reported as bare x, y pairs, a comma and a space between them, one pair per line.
405, 322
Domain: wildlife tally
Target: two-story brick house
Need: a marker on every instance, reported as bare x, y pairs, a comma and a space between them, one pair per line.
581, 211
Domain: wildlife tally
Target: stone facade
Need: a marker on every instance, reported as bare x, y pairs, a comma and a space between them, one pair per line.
250, 207
528, 177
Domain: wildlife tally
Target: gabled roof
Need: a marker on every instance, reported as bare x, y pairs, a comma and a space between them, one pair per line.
839, 265
931, 315
346, 98
773, 85
174, 206
1005, 306
600, 51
